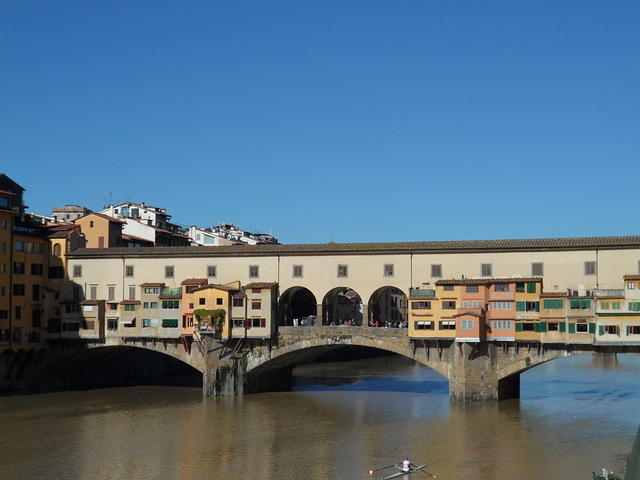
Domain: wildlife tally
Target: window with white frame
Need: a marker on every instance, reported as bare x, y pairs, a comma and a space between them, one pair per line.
502, 306
486, 269
466, 324
502, 324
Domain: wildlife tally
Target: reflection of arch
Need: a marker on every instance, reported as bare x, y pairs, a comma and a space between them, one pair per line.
387, 307
342, 305
296, 303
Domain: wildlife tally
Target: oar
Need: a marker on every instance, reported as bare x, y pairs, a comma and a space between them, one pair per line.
373, 472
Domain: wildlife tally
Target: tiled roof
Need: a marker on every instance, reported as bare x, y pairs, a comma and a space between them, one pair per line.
487, 281
475, 314
91, 302
216, 287
130, 302
194, 281
261, 285
553, 294
152, 284
632, 277
100, 215
530, 244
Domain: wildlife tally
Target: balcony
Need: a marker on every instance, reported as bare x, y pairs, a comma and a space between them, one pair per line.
422, 293
604, 292
170, 293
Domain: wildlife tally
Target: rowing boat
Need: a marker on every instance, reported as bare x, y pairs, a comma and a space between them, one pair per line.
402, 472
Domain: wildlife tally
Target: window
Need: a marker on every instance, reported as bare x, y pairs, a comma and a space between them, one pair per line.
436, 270
553, 304
467, 324
77, 271
615, 305
238, 302
54, 272
256, 290
170, 304
113, 306
132, 292
502, 324
589, 268
448, 305
486, 270
537, 269
634, 306
146, 322
170, 323
258, 322
168, 271
528, 327
152, 290
611, 329
297, 271
211, 271
531, 287
89, 325
448, 288
421, 305
520, 287
501, 287
4, 202
145, 305
423, 325
633, 330
388, 270
253, 271
20, 246
470, 304
202, 301
256, 305
553, 326
35, 293
153, 305
57, 250
631, 286
37, 269
502, 306
580, 304
343, 270
111, 292
219, 301
76, 292
128, 271
18, 268
18, 289
447, 325
93, 292
4, 314
582, 327
472, 289
18, 312
238, 323
129, 308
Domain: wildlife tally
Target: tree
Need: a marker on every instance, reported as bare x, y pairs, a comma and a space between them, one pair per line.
216, 317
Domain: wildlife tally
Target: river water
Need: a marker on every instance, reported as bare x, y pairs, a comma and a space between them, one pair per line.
574, 416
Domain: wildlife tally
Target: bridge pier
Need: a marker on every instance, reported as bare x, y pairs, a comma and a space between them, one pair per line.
473, 374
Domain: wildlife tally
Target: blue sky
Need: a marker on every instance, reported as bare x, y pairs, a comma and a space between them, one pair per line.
330, 120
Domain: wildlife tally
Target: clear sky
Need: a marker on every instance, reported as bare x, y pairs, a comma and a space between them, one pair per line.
330, 120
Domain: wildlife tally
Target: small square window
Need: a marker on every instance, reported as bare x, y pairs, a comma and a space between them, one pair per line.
343, 270
219, 301
211, 271
388, 270
486, 270
77, 271
297, 271
589, 268
436, 270
168, 271
537, 269
128, 271
253, 271
202, 301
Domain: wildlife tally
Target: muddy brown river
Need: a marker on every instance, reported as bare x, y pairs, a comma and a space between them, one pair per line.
574, 416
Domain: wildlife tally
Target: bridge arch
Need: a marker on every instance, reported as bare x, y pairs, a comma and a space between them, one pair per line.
295, 304
342, 305
303, 349
388, 306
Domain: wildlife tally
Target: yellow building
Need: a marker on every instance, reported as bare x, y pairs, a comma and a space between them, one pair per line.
439, 307
100, 231
527, 298
209, 298
553, 314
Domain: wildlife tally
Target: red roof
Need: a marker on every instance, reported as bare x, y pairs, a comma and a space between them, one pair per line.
195, 281
152, 284
100, 215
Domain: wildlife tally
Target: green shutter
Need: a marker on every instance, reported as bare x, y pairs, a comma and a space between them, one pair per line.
537, 304
521, 306
563, 326
575, 303
170, 323
586, 304
552, 304
531, 287
592, 328
543, 326
518, 326
572, 328
601, 329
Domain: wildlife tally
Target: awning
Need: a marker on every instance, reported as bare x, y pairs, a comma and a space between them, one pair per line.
127, 321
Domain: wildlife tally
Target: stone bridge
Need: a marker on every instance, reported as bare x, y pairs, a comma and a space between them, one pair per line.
476, 371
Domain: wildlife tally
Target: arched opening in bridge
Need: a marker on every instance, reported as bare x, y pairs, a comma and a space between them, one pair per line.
342, 306
116, 366
297, 307
388, 308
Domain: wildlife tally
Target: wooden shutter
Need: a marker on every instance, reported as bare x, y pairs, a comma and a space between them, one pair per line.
572, 328
601, 329
531, 287
592, 328
518, 326
521, 306
563, 326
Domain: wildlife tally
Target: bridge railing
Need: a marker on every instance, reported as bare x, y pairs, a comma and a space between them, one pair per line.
343, 330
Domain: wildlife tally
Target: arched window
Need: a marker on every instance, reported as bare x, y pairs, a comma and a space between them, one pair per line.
56, 249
